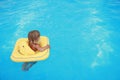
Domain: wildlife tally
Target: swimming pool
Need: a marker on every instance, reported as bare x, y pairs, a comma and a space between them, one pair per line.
84, 38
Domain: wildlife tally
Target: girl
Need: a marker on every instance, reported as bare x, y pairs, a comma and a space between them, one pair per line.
33, 41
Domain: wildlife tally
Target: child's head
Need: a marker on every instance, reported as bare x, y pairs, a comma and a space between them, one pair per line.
33, 36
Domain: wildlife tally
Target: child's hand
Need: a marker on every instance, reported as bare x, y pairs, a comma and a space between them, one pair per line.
48, 46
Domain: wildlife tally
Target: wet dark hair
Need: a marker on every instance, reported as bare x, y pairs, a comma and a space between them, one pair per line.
33, 35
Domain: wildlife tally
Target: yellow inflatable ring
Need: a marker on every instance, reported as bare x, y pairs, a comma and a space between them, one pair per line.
23, 53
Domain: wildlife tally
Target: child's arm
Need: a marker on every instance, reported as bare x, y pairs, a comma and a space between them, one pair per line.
42, 48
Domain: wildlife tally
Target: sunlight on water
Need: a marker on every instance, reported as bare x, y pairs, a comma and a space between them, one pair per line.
83, 34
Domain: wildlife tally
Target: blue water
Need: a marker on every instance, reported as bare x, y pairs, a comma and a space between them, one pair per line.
84, 38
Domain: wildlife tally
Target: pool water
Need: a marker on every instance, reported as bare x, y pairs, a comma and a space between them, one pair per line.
84, 38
